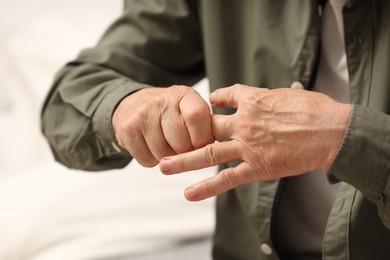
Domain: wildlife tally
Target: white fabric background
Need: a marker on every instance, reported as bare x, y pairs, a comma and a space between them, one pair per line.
48, 211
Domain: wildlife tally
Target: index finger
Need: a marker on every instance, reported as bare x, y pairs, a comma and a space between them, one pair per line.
197, 118
210, 155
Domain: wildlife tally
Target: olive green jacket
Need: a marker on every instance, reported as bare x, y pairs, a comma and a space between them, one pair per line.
263, 43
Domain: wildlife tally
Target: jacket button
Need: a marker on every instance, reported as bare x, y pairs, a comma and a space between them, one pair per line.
266, 249
296, 85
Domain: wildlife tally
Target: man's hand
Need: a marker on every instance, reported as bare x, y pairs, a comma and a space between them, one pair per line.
157, 122
274, 133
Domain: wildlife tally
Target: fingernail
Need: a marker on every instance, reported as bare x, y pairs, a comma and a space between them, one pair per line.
166, 164
191, 192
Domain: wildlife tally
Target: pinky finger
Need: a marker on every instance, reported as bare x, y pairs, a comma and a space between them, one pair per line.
140, 152
225, 180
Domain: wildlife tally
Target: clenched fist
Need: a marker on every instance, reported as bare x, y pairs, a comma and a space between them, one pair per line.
153, 123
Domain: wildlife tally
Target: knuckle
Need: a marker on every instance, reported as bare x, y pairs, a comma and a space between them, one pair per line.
156, 101
230, 178
140, 113
210, 154
136, 124
210, 191
195, 114
239, 88
252, 98
130, 127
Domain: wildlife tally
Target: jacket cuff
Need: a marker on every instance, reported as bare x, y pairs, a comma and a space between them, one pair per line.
102, 118
363, 159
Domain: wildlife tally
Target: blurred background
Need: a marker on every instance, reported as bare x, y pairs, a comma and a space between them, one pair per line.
50, 212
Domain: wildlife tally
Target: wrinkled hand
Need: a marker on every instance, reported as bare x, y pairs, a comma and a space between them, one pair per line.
274, 133
156, 122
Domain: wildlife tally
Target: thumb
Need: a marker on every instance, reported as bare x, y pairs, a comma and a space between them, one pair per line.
226, 97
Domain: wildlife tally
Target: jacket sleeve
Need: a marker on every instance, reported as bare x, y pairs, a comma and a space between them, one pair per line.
154, 43
364, 158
